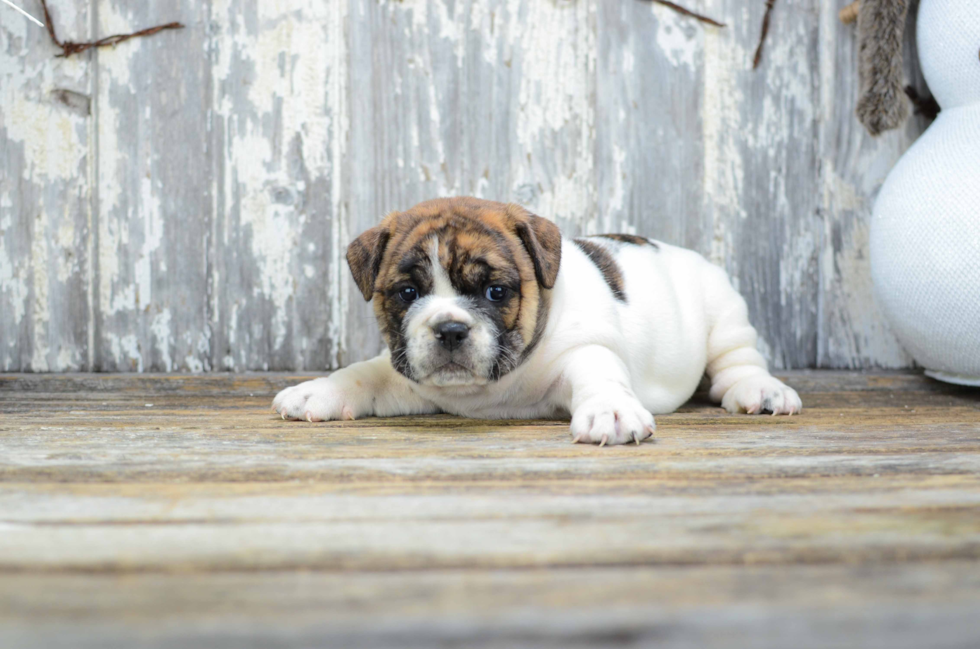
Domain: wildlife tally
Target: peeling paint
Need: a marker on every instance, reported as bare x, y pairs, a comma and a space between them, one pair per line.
856, 312
42, 314
724, 173
495, 97
162, 338
339, 287
556, 110
43, 158
13, 283
676, 37
283, 142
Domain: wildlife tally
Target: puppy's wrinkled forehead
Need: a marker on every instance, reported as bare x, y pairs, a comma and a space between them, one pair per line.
475, 238
455, 253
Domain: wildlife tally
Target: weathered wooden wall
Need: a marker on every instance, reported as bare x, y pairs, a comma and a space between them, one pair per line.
183, 202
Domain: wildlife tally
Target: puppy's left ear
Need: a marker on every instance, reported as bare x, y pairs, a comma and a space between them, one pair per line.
364, 256
542, 238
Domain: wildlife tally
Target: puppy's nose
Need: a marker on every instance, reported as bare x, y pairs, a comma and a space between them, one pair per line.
451, 334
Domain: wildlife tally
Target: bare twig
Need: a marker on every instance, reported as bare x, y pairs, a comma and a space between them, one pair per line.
69, 47
687, 12
765, 32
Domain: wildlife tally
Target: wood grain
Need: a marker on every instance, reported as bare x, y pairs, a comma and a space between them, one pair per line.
275, 291
154, 191
183, 202
47, 149
896, 605
161, 510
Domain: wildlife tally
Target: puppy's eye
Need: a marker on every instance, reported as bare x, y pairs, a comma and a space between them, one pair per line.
408, 293
496, 293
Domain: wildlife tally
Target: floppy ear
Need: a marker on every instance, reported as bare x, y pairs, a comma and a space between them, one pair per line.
542, 238
364, 256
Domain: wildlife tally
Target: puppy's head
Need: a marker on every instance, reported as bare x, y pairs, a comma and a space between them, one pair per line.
460, 287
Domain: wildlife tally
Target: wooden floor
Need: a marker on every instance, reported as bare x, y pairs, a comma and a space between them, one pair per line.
177, 511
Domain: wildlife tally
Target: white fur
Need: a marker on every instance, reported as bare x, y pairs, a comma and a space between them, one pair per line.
444, 304
607, 363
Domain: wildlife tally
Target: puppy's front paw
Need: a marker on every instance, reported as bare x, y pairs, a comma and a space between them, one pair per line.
317, 400
612, 419
762, 393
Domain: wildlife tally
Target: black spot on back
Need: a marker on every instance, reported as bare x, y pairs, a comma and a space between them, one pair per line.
634, 239
606, 265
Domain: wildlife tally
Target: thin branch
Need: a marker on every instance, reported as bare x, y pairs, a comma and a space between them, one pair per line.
687, 12
49, 23
70, 47
765, 32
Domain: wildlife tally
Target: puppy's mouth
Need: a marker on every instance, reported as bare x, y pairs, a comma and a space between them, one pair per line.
453, 373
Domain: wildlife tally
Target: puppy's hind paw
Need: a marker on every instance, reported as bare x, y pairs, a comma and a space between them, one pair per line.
762, 394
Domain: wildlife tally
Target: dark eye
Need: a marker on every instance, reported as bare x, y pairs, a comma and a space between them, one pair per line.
496, 293
408, 293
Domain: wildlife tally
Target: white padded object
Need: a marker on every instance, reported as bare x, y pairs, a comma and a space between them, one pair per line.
948, 40
925, 229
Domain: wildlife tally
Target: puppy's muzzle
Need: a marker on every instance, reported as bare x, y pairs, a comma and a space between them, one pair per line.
451, 335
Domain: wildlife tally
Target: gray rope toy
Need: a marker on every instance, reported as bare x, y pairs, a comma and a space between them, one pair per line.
882, 105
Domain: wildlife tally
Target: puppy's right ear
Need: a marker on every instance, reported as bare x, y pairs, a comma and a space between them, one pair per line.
364, 256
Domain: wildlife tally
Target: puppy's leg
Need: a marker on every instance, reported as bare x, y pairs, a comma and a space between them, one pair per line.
369, 388
739, 377
596, 389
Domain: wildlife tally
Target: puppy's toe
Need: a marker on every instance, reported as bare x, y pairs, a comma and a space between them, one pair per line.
762, 394
611, 420
289, 403
313, 401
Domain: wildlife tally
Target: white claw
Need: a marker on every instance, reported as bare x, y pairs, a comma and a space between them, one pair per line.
605, 438
309, 417
283, 413
577, 439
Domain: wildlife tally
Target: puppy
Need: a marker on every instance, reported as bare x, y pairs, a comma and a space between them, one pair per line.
489, 312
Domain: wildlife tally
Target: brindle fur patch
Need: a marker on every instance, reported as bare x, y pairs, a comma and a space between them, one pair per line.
481, 244
606, 265
634, 239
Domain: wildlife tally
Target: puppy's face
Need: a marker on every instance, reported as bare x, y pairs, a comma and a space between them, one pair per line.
460, 287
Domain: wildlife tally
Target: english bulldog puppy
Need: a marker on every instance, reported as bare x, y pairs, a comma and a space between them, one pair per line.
489, 312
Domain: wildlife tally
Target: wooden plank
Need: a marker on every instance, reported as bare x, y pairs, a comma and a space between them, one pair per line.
841, 383
154, 190
184, 478
898, 605
760, 158
46, 153
493, 99
162, 510
602, 117
278, 124
853, 166
648, 128
177, 531
301, 126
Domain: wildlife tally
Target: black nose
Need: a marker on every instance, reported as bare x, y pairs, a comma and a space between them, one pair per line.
451, 334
